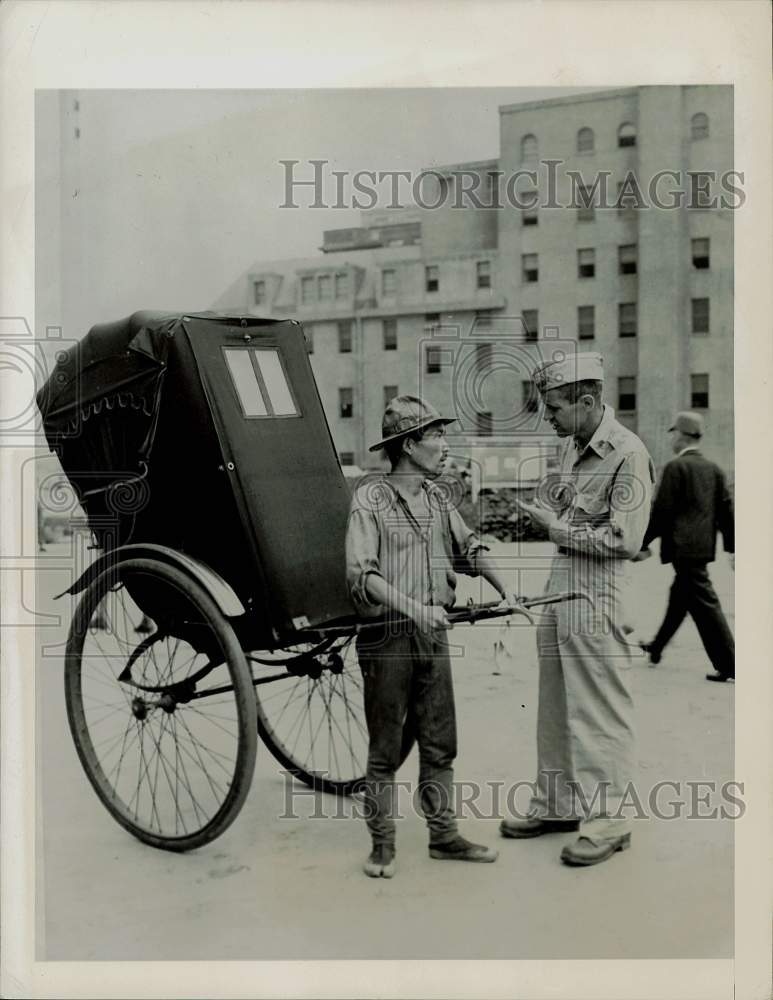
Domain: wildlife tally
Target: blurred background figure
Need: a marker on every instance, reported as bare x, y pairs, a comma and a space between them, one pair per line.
691, 505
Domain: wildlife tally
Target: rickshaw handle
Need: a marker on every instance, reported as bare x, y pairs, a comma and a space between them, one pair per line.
495, 609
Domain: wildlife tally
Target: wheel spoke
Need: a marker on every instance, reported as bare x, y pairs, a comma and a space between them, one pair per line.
319, 723
174, 772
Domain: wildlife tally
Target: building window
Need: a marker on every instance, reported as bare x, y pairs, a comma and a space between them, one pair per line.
627, 197
390, 391
627, 258
626, 135
345, 336
530, 267
531, 323
529, 396
342, 286
699, 126
345, 403
484, 320
700, 254
529, 149
431, 322
586, 263
585, 140
483, 356
700, 315
529, 200
307, 289
431, 278
259, 292
388, 282
586, 322
626, 393
699, 392
325, 287
585, 210
346, 457
626, 319
483, 271
485, 424
390, 334
432, 360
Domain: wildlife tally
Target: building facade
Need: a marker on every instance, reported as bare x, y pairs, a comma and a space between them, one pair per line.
606, 224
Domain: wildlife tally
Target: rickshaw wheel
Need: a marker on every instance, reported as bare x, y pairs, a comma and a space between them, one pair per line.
160, 705
314, 724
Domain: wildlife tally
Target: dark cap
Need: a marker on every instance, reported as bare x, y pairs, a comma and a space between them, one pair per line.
688, 423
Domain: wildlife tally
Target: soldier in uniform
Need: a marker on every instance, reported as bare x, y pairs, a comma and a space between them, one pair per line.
597, 519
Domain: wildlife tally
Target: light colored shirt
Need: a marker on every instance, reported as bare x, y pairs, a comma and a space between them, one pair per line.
605, 493
418, 555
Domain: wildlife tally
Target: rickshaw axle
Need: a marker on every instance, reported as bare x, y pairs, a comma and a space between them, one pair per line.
176, 695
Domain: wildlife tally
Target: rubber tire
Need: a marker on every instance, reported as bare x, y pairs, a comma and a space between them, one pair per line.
243, 693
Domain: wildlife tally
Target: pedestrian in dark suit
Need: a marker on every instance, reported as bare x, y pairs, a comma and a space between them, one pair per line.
691, 505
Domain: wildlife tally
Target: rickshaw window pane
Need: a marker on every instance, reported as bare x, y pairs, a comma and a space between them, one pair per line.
246, 382
276, 383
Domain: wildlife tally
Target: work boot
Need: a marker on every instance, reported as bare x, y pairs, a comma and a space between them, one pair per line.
460, 849
520, 829
381, 861
652, 652
588, 851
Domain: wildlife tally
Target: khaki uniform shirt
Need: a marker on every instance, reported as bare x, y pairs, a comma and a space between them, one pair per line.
603, 496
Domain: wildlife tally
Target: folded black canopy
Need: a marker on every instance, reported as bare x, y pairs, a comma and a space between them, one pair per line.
151, 425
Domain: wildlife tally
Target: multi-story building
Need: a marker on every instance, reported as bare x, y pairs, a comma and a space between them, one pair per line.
608, 228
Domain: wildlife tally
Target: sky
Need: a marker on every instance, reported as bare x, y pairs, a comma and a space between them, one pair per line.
170, 195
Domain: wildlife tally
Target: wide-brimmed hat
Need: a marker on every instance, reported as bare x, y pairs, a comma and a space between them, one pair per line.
405, 414
688, 423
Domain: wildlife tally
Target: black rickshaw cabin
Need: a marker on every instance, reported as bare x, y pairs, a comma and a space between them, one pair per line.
206, 434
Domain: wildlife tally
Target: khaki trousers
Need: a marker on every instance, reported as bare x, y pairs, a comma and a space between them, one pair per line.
585, 727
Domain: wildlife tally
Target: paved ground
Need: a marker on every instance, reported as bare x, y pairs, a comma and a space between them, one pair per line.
281, 889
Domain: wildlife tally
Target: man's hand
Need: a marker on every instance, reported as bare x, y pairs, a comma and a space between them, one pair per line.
431, 618
543, 516
510, 600
642, 555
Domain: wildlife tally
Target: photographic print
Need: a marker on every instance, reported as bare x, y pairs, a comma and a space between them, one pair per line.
378, 482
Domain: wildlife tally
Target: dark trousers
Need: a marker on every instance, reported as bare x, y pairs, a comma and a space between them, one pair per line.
692, 593
407, 683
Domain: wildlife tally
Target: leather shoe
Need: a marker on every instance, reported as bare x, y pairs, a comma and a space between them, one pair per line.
520, 829
586, 851
653, 654
720, 678
381, 862
460, 849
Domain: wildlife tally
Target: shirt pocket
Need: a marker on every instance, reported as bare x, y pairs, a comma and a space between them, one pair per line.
590, 508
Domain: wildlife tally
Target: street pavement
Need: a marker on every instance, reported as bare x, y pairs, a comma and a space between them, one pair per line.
279, 888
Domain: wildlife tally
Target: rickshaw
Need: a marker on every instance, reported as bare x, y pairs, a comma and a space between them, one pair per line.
217, 611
